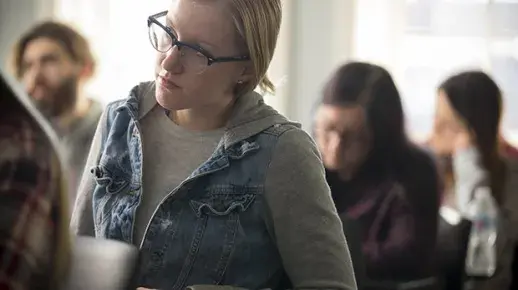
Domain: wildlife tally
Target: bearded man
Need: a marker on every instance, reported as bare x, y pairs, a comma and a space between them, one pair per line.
54, 62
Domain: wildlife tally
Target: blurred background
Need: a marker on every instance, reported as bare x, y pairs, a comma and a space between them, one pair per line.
419, 41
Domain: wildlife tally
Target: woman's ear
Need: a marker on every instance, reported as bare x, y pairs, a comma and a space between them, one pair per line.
247, 74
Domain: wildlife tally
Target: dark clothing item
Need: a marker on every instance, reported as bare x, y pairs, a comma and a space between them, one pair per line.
353, 232
452, 243
398, 214
512, 152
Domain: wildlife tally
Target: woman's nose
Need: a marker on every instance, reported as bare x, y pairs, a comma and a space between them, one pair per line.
171, 60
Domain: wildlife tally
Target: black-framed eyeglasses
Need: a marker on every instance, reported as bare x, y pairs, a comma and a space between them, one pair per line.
193, 57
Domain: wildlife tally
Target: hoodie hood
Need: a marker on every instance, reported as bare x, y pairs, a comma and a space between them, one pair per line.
250, 115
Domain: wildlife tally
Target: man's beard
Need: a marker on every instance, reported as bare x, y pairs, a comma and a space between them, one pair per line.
60, 100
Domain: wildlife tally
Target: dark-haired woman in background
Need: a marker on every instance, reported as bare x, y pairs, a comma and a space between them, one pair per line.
378, 178
467, 139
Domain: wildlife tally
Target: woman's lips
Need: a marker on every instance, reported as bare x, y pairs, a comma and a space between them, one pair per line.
168, 84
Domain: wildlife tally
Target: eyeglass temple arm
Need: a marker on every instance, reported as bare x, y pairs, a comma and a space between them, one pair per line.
160, 14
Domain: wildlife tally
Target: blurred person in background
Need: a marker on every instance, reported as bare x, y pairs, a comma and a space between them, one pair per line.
34, 229
378, 178
54, 62
213, 185
466, 138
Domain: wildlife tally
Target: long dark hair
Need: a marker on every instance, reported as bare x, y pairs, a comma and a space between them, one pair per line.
372, 87
477, 99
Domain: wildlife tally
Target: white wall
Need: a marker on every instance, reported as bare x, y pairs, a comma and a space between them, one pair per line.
118, 34
322, 33
16, 16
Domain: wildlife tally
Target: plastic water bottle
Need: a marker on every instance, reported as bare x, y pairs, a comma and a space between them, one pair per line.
481, 255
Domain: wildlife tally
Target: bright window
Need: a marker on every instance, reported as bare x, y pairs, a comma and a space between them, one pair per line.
117, 31
424, 41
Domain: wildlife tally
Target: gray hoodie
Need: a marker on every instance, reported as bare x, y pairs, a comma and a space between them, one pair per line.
302, 219
76, 142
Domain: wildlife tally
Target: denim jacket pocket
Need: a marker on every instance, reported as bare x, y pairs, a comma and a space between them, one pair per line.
224, 200
109, 179
112, 184
218, 211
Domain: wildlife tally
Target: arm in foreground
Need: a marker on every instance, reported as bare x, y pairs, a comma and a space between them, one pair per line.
33, 206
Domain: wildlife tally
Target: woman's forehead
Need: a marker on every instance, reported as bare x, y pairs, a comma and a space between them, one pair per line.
341, 116
206, 21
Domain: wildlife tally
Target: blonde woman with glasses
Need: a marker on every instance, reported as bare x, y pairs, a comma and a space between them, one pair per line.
213, 185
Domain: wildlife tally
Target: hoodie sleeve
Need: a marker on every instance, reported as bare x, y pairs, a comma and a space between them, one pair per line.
302, 217
82, 221
468, 175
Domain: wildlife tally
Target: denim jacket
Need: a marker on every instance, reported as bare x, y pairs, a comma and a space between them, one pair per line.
233, 221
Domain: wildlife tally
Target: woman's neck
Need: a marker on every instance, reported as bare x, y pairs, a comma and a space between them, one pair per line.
204, 118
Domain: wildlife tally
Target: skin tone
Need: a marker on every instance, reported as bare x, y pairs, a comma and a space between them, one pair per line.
54, 80
450, 134
343, 138
201, 101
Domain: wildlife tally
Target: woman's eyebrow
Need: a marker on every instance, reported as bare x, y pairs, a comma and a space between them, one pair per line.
201, 44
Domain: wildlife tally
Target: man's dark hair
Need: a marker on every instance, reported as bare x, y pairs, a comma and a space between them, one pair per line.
72, 41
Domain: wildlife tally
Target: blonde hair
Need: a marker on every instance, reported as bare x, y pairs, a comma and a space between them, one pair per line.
258, 23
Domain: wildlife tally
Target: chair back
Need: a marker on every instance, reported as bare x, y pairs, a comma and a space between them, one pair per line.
102, 264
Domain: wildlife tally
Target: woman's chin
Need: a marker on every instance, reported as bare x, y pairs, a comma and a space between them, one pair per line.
167, 99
